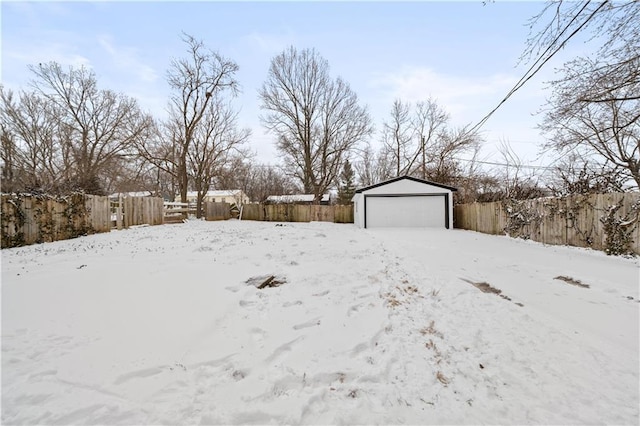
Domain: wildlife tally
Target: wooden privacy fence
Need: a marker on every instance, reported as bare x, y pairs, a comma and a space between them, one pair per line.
29, 219
297, 213
132, 211
217, 211
143, 211
608, 222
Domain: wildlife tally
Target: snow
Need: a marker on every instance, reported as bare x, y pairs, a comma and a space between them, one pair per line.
157, 325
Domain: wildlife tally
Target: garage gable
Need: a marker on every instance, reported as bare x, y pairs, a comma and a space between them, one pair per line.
406, 185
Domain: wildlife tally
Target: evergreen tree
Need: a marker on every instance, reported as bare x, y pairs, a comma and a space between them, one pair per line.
346, 188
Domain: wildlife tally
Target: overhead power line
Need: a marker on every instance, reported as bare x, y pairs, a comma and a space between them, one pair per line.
542, 60
518, 166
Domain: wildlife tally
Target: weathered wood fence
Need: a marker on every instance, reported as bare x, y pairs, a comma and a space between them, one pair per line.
132, 211
217, 211
29, 219
297, 213
143, 211
608, 222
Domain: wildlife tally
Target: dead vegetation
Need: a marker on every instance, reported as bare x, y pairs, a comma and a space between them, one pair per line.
264, 281
400, 295
441, 378
431, 330
391, 300
571, 281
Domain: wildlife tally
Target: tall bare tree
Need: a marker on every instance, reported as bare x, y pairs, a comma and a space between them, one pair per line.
604, 132
316, 119
161, 152
593, 113
265, 180
419, 141
372, 167
429, 122
446, 153
28, 143
215, 141
614, 25
416, 136
10, 159
68, 134
95, 128
198, 79
398, 137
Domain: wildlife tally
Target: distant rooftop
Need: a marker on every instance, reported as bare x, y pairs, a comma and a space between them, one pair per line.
216, 193
132, 194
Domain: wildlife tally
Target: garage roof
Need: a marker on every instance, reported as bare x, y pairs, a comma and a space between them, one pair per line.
386, 182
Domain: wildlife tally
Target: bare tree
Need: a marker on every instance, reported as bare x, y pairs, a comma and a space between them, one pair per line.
606, 133
10, 157
29, 143
372, 167
418, 141
616, 25
263, 180
446, 153
215, 141
518, 182
317, 120
398, 137
96, 128
429, 122
161, 152
196, 80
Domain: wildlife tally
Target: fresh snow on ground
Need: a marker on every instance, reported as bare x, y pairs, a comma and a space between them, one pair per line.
157, 325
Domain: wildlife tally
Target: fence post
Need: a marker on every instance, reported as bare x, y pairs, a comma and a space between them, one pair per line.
119, 213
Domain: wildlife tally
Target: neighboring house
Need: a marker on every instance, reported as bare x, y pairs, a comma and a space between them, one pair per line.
297, 199
404, 202
231, 196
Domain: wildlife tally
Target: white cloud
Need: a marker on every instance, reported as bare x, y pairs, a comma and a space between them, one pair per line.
127, 58
17, 57
468, 99
458, 94
47, 52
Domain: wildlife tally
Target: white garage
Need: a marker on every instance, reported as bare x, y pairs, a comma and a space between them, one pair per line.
404, 202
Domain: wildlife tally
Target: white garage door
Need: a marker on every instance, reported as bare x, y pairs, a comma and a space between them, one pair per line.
414, 211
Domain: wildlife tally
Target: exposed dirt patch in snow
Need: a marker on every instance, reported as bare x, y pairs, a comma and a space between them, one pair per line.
487, 288
571, 281
264, 281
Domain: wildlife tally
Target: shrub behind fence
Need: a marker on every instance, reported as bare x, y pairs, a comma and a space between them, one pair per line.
29, 219
608, 222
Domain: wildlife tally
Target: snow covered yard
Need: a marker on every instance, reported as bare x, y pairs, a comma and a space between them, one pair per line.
157, 325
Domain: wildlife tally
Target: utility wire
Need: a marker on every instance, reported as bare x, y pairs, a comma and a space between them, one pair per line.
535, 67
519, 166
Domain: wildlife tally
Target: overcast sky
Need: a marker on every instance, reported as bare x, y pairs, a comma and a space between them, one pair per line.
464, 54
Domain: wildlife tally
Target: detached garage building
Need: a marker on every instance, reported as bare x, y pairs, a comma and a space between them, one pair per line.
404, 202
